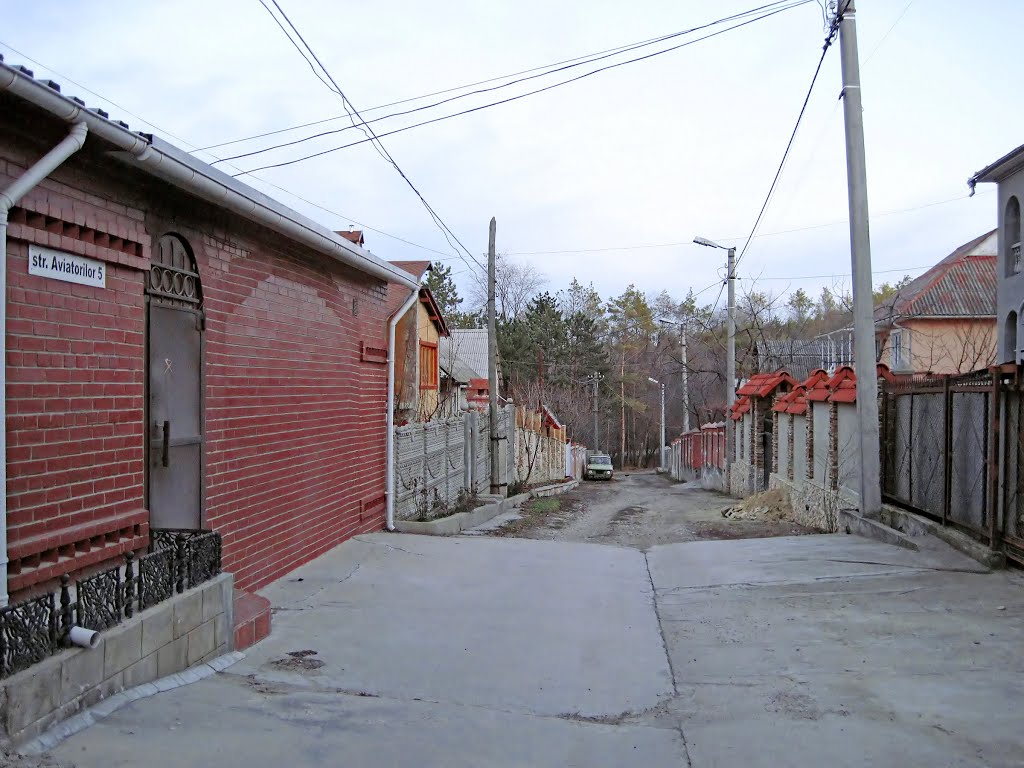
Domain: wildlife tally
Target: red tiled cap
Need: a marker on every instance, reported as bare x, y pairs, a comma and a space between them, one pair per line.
763, 384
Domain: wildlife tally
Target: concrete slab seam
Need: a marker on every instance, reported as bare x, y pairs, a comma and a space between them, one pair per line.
107, 707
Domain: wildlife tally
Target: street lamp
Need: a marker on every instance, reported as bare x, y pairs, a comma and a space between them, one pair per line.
730, 362
686, 386
661, 448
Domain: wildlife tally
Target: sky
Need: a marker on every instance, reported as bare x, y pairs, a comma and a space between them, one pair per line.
585, 179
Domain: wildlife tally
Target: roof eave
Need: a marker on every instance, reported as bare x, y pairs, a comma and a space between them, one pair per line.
174, 166
1000, 169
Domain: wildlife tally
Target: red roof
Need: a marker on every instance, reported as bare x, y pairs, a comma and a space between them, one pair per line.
353, 236
798, 405
763, 384
961, 285
741, 406
783, 401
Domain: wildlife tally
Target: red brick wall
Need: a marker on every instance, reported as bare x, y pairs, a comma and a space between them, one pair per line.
74, 386
294, 420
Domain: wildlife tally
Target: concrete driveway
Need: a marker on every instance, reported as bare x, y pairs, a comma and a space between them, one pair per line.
398, 650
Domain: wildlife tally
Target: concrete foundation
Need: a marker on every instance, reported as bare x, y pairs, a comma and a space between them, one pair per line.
190, 628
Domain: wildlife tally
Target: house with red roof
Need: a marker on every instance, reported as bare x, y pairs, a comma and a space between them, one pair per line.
945, 320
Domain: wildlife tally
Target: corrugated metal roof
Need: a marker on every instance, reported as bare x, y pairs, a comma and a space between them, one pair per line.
452, 364
798, 356
961, 285
470, 344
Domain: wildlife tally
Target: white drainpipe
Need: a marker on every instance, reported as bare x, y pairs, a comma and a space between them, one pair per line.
8, 199
389, 487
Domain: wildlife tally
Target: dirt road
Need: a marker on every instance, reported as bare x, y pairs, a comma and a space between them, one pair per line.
639, 510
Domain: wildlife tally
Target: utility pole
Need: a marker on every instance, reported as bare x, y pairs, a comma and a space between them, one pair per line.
730, 365
595, 378
492, 364
730, 360
686, 380
661, 448
622, 399
860, 255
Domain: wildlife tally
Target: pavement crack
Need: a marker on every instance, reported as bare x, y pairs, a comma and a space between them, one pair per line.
661, 628
388, 547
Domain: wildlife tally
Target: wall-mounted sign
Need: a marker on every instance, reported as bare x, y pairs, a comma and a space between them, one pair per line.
68, 267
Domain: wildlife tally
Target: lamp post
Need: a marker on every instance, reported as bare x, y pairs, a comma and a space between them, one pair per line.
730, 363
661, 448
686, 383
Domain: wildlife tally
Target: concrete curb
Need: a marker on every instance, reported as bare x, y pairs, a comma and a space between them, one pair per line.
461, 521
851, 522
94, 714
555, 489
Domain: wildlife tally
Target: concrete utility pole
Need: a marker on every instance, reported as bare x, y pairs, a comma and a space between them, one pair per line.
685, 372
860, 248
492, 364
686, 380
595, 379
622, 400
661, 448
730, 359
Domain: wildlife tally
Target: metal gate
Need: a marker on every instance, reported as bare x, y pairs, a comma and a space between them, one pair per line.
174, 485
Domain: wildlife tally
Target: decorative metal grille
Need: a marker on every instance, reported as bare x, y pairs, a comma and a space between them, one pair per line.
28, 633
204, 553
100, 600
174, 284
167, 538
156, 577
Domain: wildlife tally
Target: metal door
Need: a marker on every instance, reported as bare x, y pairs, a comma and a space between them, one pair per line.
175, 406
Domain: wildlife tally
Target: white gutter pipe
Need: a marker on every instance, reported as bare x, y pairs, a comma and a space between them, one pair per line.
180, 169
8, 199
389, 480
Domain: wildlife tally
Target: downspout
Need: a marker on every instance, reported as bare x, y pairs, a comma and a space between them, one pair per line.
389, 488
8, 198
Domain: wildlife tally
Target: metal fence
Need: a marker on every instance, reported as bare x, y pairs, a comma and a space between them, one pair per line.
34, 629
951, 450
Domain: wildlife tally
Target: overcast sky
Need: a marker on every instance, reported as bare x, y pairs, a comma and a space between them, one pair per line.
650, 153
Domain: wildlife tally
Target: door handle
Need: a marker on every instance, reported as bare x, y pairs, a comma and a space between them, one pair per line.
166, 457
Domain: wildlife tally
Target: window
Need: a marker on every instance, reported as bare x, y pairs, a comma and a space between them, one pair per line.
899, 356
1011, 237
428, 365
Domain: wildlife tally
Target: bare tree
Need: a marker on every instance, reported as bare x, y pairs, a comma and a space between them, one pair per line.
515, 283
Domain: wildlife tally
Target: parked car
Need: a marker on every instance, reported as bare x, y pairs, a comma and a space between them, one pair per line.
599, 467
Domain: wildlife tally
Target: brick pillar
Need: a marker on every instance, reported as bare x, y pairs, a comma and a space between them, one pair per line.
775, 442
790, 471
833, 446
809, 442
757, 436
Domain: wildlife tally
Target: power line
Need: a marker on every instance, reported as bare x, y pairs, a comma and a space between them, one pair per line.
550, 71
528, 93
371, 136
832, 31
187, 143
584, 58
882, 40
740, 237
846, 274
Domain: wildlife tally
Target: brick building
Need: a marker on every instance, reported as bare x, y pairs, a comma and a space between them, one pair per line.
181, 352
